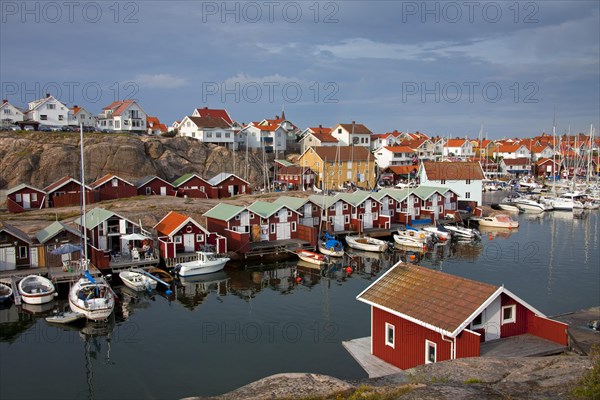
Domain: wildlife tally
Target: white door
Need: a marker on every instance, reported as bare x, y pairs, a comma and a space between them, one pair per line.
189, 243
264, 232
284, 231
492, 323
163, 190
26, 200
230, 190
282, 215
385, 209
102, 243
33, 257
411, 207
435, 206
368, 220
307, 211
8, 258
245, 219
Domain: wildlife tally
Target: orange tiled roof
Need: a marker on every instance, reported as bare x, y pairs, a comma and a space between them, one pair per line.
320, 130
403, 169
170, 223
325, 137
453, 170
400, 149
455, 142
358, 128
432, 297
216, 113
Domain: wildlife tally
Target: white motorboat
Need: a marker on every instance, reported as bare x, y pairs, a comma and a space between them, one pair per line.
416, 234
568, 202
330, 246
65, 317
529, 183
137, 281
35, 289
5, 292
530, 205
206, 262
312, 257
92, 297
410, 242
509, 204
439, 231
499, 221
463, 233
366, 243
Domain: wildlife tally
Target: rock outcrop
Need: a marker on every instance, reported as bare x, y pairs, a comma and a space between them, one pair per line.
39, 159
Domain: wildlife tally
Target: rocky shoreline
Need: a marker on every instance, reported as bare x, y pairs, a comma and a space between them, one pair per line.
468, 378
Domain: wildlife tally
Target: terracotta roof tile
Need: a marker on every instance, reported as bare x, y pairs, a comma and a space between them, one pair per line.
215, 113
358, 128
442, 300
168, 224
210, 122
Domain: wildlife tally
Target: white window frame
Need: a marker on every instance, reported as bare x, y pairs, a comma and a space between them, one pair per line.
178, 239
428, 345
293, 226
346, 219
272, 228
199, 237
345, 206
18, 198
513, 314
237, 217
148, 190
389, 327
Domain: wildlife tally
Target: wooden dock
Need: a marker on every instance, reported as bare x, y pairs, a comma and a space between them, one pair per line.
360, 350
276, 247
526, 345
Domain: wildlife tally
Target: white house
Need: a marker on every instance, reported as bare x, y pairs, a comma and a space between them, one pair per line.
395, 155
123, 116
79, 115
208, 130
423, 148
516, 166
512, 151
9, 114
458, 148
539, 152
271, 137
315, 137
385, 139
463, 178
48, 111
352, 134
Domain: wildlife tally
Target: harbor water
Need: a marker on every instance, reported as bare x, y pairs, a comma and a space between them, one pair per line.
219, 332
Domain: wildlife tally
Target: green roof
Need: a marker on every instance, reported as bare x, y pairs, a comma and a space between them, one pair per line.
52, 230
396, 194
425, 192
22, 186
95, 217
264, 209
223, 211
322, 200
183, 178
355, 198
292, 202
285, 163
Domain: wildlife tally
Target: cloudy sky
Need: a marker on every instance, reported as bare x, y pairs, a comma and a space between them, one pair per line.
442, 68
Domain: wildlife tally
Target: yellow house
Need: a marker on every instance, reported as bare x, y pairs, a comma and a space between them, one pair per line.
336, 165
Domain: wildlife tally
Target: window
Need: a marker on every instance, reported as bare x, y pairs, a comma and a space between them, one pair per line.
227, 134
293, 226
177, 239
390, 201
430, 352
148, 190
199, 238
389, 334
51, 106
443, 181
7, 111
508, 314
345, 206
478, 320
289, 213
125, 123
346, 219
251, 216
22, 251
18, 197
43, 117
467, 195
208, 134
272, 228
237, 217
339, 130
218, 134
33, 196
114, 182
61, 117
468, 181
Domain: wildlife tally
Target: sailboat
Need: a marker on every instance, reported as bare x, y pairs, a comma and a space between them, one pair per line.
92, 297
328, 244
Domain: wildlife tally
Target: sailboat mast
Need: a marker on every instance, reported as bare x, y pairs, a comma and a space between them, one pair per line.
83, 211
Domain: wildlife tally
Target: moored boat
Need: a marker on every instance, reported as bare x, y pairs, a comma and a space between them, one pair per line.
35, 289
206, 262
312, 257
366, 243
92, 297
499, 221
137, 281
439, 231
461, 232
409, 242
5, 292
330, 246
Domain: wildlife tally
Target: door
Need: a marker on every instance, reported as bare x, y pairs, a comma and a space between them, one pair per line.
282, 215
189, 245
264, 232
26, 200
163, 190
8, 258
33, 257
411, 207
245, 220
492, 323
435, 206
284, 231
368, 217
231, 190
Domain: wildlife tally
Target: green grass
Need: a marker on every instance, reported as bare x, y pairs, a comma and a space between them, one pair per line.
473, 380
588, 387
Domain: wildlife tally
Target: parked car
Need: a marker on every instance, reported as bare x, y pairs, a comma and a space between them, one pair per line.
11, 128
28, 128
44, 128
68, 128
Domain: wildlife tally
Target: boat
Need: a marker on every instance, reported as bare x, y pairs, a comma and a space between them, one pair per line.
366, 243
529, 183
161, 274
5, 292
35, 289
414, 233
509, 204
312, 257
439, 231
568, 202
499, 221
206, 262
66, 317
529, 204
330, 246
137, 281
461, 232
92, 297
410, 242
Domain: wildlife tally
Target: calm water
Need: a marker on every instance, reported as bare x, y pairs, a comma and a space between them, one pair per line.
249, 323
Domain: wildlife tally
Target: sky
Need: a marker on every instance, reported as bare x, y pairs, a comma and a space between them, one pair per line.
506, 69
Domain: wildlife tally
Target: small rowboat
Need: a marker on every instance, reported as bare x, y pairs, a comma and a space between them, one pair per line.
366, 243
5, 292
312, 257
65, 317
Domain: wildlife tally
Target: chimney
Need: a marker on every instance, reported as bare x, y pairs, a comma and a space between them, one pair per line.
206, 108
47, 95
75, 106
320, 126
4, 101
353, 122
277, 117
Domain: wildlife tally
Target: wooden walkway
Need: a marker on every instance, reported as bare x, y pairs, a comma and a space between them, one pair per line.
360, 349
520, 346
581, 336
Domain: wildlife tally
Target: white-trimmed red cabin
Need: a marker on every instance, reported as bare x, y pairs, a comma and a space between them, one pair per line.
24, 197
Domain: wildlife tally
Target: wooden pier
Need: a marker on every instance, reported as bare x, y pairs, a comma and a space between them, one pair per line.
276, 247
360, 350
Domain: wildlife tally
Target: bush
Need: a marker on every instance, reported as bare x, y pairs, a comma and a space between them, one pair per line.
588, 386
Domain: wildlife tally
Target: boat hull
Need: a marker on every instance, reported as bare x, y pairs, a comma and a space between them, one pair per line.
137, 281
330, 252
95, 309
36, 290
312, 258
370, 244
194, 268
